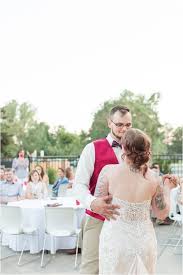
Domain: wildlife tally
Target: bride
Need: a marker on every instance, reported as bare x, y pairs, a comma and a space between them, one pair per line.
128, 243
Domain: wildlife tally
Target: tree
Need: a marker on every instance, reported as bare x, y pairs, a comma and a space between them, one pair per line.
67, 143
37, 138
175, 147
7, 142
15, 121
20, 129
144, 114
25, 120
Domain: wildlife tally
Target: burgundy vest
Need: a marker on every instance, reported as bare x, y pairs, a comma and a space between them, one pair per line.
104, 155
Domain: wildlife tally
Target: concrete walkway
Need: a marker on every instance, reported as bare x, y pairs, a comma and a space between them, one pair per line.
168, 263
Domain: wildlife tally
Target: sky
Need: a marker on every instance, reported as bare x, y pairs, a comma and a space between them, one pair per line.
67, 57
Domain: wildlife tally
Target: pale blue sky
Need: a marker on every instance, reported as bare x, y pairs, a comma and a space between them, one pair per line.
68, 57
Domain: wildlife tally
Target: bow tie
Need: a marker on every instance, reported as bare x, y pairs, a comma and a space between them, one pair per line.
116, 144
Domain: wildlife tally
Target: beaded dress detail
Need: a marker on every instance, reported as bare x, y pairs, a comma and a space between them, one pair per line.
128, 244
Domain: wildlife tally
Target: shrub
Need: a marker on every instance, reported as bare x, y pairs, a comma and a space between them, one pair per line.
52, 174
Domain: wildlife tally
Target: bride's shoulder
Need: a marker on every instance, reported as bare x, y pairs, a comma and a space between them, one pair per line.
152, 178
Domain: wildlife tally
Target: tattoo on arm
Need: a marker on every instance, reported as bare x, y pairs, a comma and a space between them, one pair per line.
102, 184
160, 199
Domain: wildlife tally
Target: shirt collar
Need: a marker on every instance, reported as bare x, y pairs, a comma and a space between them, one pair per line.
110, 139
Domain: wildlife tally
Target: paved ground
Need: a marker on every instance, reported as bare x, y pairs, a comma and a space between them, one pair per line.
169, 262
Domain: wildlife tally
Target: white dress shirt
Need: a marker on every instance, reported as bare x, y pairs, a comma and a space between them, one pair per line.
85, 170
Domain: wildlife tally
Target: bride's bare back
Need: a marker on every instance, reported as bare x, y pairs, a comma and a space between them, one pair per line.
125, 184
130, 185
119, 181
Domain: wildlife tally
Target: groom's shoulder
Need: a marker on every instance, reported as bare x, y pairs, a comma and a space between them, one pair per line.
99, 141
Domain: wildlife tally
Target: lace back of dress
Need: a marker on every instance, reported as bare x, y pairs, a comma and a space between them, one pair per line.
133, 212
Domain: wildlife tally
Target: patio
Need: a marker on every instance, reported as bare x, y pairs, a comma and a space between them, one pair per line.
168, 263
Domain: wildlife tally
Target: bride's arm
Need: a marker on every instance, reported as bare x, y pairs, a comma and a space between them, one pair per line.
102, 186
103, 203
161, 198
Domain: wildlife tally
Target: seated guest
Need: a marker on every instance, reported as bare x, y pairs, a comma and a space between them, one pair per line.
61, 180
36, 189
2, 175
43, 175
10, 190
69, 173
156, 169
2, 178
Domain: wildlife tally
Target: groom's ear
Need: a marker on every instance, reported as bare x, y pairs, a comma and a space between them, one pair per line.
109, 123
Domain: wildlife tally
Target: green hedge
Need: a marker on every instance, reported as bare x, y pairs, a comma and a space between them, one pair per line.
52, 174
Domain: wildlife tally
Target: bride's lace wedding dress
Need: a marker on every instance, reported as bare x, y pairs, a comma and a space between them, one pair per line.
128, 244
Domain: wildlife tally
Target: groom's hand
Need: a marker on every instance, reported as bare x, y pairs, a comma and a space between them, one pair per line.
104, 207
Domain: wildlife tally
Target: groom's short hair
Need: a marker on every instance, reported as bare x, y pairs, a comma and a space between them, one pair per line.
122, 109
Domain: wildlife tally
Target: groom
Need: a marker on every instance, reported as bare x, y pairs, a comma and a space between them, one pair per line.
94, 157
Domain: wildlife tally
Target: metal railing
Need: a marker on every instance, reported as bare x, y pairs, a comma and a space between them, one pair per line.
172, 164
168, 163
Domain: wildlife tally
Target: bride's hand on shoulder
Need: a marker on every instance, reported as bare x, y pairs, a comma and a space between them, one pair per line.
171, 181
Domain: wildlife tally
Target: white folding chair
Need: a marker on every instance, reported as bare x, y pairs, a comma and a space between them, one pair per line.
180, 240
173, 215
12, 225
61, 222
173, 240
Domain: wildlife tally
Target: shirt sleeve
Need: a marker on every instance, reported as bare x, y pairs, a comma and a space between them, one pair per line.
83, 175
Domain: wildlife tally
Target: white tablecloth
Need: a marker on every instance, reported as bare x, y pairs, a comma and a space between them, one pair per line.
34, 216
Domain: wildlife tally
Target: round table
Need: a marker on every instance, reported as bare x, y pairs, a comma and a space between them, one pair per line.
34, 216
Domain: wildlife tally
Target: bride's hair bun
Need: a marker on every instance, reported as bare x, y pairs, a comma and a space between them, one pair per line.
137, 147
